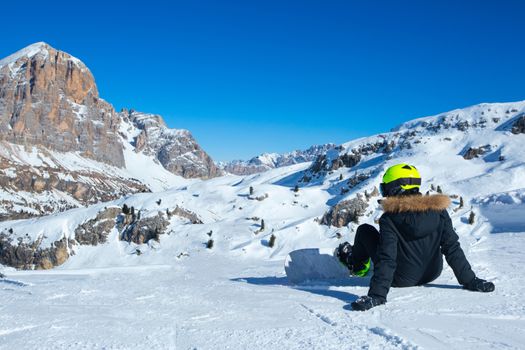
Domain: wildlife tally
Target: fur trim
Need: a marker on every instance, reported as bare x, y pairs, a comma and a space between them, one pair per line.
401, 204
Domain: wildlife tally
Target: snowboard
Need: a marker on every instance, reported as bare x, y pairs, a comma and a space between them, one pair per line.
314, 264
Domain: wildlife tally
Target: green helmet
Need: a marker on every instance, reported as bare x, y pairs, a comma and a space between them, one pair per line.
400, 178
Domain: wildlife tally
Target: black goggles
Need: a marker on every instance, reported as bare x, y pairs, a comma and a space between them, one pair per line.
395, 186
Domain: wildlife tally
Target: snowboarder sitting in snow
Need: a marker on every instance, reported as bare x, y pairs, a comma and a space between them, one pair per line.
414, 232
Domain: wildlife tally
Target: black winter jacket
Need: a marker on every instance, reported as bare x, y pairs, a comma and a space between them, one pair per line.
414, 232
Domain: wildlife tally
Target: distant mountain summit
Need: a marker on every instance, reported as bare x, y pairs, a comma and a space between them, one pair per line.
267, 161
60, 140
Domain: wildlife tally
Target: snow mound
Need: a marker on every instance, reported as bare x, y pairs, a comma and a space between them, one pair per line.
505, 211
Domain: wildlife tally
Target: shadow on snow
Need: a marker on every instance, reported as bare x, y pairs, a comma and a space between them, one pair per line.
314, 287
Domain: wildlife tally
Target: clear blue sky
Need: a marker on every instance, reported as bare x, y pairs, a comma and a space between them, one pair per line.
247, 77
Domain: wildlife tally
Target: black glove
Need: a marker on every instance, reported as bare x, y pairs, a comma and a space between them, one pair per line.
479, 285
344, 254
366, 303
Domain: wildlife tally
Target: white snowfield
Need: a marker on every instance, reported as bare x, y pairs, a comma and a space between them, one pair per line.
179, 295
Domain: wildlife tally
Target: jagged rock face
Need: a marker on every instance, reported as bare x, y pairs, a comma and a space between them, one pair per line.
267, 161
49, 98
175, 149
338, 157
326, 163
345, 212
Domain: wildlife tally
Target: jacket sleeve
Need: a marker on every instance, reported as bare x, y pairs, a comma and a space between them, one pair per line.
453, 253
385, 266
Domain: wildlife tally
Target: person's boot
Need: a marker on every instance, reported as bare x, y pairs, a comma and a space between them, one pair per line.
344, 253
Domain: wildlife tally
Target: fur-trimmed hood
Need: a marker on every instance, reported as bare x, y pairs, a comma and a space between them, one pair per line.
418, 203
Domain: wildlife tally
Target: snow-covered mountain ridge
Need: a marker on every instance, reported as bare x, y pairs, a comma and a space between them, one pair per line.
267, 161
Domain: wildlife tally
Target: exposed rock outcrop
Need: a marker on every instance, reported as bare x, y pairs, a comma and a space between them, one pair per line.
25, 254
184, 213
475, 152
96, 230
345, 212
141, 230
325, 162
519, 125
339, 157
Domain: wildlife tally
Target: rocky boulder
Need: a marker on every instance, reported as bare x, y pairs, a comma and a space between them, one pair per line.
345, 212
141, 230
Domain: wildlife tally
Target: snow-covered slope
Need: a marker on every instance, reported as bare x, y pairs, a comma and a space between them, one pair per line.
39, 181
176, 293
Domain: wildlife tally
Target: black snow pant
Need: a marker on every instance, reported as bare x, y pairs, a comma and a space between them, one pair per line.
366, 242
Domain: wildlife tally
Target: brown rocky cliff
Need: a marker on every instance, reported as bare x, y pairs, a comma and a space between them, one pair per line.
175, 149
49, 98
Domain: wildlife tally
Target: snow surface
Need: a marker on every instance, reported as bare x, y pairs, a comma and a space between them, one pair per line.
179, 295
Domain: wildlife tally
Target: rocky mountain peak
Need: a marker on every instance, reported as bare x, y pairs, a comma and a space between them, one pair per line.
49, 98
175, 149
69, 74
